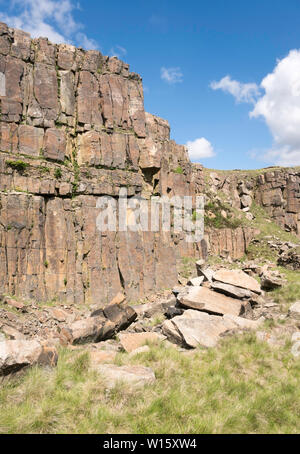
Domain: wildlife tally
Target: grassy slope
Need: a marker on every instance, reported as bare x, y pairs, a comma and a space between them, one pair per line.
243, 386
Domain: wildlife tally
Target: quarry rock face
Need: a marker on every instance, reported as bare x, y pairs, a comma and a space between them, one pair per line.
73, 128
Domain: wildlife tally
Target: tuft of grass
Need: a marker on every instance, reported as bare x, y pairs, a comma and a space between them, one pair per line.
243, 386
178, 170
19, 165
218, 221
58, 174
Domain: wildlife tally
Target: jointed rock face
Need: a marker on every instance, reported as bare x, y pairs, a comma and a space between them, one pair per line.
73, 128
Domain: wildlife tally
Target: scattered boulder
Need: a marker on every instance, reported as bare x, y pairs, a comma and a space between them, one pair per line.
93, 329
121, 316
294, 310
244, 323
137, 376
19, 354
231, 290
290, 259
204, 299
132, 341
100, 357
270, 281
194, 328
237, 278
14, 303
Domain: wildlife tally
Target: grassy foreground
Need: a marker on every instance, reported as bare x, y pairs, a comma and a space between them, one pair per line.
243, 386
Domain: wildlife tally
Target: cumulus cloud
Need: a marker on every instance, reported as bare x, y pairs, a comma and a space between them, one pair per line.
48, 18
278, 104
241, 92
280, 108
199, 149
171, 75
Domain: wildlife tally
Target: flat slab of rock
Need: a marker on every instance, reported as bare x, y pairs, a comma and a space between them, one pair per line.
19, 354
204, 299
194, 328
100, 357
237, 278
136, 376
232, 290
244, 323
132, 341
294, 310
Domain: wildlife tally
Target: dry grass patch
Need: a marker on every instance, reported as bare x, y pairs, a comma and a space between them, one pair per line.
243, 386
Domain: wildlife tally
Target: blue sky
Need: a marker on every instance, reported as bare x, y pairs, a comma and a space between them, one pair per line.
180, 49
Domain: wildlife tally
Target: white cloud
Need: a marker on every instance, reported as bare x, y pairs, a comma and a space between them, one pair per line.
171, 75
48, 18
242, 92
118, 51
199, 149
280, 108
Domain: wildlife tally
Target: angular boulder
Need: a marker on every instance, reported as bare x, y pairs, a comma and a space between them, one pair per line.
244, 323
232, 290
120, 314
204, 299
194, 328
294, 310
19, 354
271, 281
93, 329
237, 278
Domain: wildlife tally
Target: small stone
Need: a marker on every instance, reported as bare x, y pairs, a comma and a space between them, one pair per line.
196, 281
132, 341
294, 310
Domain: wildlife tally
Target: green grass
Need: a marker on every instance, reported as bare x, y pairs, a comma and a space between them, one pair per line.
290, 292
243, 386
187, 267
218, 221
19, 165
178, 170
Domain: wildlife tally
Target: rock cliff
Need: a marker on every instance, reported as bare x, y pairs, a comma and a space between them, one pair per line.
73, 128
